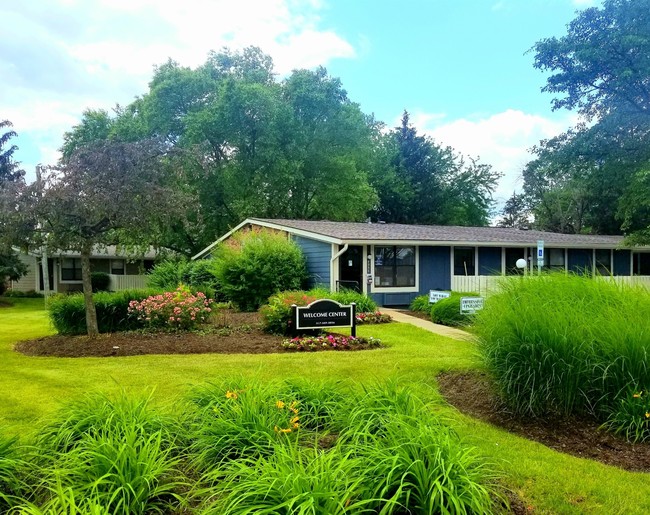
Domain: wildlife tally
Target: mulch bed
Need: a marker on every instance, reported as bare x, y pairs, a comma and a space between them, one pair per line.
472, 394
230, 332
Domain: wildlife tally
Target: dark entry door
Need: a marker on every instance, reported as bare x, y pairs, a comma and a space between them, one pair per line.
351, 268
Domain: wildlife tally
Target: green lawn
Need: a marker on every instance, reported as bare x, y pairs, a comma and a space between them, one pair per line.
548, 481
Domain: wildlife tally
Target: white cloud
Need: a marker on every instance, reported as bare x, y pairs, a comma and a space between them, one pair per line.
502, 140
59, 57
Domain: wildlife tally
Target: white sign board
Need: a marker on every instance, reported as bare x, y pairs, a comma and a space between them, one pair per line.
470, 305
435, 296
540, 253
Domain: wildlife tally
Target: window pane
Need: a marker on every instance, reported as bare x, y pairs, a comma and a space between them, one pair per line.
70, 269
604, 261
512, 256
117, 267
642, 263
394, 266
464, 261
556, 258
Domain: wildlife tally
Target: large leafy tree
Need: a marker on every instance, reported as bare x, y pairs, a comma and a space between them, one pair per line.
602, 64
586, 179
106, 193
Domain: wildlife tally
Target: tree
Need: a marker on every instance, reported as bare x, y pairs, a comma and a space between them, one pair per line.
419, 181
586, 179
602, 65
106, 193
515, 213
11, 182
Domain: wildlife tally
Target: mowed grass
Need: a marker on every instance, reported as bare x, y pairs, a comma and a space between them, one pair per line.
547, 481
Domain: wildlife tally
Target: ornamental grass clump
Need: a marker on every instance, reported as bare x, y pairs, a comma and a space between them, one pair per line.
118, 454
380, 450
566, 344
178, 310
12, 470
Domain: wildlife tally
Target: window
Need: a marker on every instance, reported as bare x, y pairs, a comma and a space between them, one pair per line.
604, 261
512, 256
641, 262
117, 266
464, 261
71, 269
395, 267
556, 259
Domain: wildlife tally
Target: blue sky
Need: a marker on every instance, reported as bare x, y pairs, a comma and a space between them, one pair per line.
459, 67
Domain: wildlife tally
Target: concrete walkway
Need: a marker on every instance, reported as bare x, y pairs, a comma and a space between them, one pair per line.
443, 330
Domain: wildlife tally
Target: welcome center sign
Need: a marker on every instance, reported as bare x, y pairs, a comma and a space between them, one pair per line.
325, 313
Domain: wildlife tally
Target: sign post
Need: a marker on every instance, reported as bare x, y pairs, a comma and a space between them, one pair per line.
324, 313
540, 256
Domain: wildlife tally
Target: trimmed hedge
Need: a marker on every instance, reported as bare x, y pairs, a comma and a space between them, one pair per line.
100, 281
68, 312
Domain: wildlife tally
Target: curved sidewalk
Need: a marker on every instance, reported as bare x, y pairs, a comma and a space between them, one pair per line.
451, 332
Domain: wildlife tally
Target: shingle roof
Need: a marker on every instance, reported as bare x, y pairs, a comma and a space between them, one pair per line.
362, 232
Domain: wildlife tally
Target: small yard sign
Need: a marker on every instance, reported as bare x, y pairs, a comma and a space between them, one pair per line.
470, 305
436, 295
325, 313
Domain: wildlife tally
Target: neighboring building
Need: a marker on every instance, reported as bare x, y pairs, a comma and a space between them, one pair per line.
64, 270
393, 263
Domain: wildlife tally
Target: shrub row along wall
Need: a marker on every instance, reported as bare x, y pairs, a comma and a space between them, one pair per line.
68, 312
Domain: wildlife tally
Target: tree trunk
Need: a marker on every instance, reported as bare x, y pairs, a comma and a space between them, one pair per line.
91, 313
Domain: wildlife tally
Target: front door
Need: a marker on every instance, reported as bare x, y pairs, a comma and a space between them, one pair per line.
351, 269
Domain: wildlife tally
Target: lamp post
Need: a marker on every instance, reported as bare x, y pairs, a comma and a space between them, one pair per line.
521, 265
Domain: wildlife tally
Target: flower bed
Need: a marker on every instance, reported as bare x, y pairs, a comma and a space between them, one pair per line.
178, 310
330, 342
373, 318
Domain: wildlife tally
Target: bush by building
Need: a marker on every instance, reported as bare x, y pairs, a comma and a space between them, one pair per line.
253, 266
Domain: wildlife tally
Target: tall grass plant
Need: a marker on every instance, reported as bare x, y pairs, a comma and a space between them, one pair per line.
567, 344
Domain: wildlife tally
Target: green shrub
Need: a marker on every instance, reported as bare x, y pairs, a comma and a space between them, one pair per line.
100, 281
420, 304
255, 265
167, 275
631, 417
568, 345
447, 311
32, 294
276, 314
364, 303
68, 312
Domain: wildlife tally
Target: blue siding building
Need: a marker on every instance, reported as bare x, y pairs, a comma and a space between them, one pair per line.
394, 263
